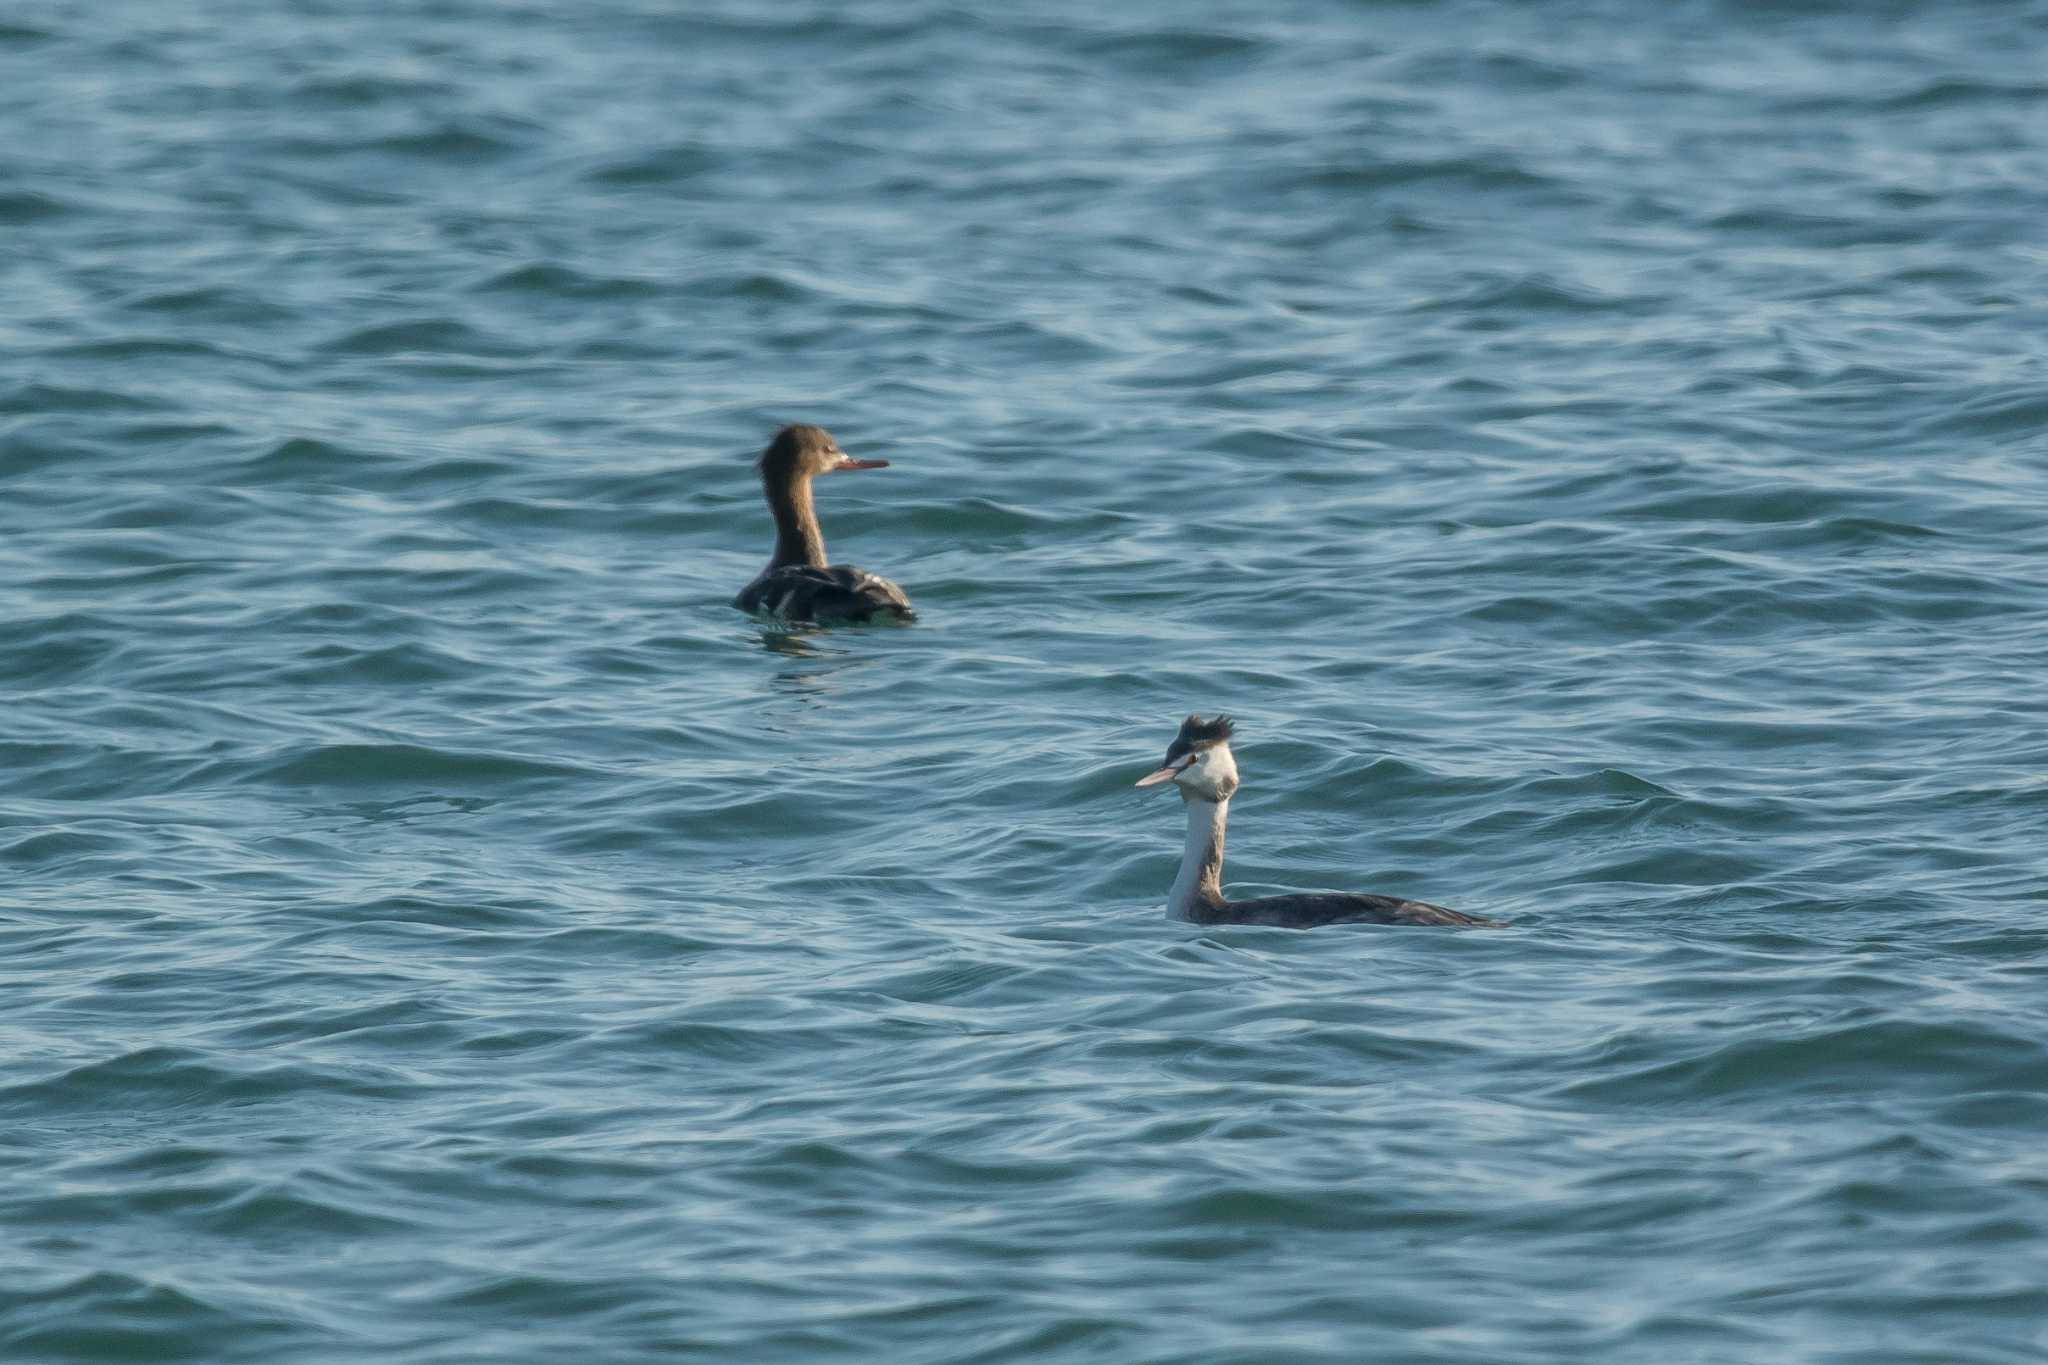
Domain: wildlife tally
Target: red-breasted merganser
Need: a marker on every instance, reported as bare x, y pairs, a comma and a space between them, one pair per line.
798, 585
1199, 762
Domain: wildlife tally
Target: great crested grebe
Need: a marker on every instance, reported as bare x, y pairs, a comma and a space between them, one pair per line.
798, 585
1199, 762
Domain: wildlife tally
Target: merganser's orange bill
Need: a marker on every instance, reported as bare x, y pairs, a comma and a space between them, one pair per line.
851, 463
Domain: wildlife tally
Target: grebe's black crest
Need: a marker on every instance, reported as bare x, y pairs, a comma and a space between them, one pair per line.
1196, 733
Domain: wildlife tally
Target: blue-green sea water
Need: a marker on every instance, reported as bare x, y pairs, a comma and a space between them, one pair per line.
1595, 450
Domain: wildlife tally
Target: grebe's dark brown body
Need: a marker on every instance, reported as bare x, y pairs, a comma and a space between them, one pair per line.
1200, 763
798, 585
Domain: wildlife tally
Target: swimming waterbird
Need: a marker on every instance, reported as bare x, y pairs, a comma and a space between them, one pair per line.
798, 585
1200, 763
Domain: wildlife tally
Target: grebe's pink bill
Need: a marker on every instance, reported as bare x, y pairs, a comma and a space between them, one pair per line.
1200, 763
798, 585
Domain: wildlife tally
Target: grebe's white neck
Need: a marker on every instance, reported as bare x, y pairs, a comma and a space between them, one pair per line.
1200, 883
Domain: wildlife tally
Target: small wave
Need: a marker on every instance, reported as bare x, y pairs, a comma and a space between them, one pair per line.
671, 165
1605, 784
108, 1316
405, 1024
516, 1041
44, 398
284, 1210
471, 912
452, 473
1536, 294
766, 30
559, 281
1765, 503
21, 207
943, 983
1470, 173
297, 456
1949, 92
419, 336
1497, 69
621, 944
1819, 229
214, 303
182, 1078
1248, 1209
527, 514
726, 1043
529, 1297
2018, 409
154, 348
1891, 1054
1161, 51
67, 647
60, 847
972, 517
451, 144
410, 664
1841, 534
363, 90
763, 285
359, 765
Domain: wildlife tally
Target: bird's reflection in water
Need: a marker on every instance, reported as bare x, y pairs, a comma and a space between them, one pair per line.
812, 662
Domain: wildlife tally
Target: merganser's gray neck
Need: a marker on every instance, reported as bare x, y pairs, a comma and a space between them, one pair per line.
798, 540
1199, 887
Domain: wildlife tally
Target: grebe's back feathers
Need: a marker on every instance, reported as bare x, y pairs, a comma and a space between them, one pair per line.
1312, 909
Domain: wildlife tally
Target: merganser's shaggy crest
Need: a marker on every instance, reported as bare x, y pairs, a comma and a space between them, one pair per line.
798, 585
1199, 762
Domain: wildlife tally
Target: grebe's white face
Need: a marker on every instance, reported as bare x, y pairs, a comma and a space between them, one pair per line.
1208, 773
1211, 775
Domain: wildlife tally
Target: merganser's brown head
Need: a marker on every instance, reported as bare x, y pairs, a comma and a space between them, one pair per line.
803, 452
1199, 760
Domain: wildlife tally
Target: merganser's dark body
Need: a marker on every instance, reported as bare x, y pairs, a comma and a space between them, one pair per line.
798, 585
1200, 763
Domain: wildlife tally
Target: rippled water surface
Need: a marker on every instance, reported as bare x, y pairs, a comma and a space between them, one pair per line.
1595, 450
